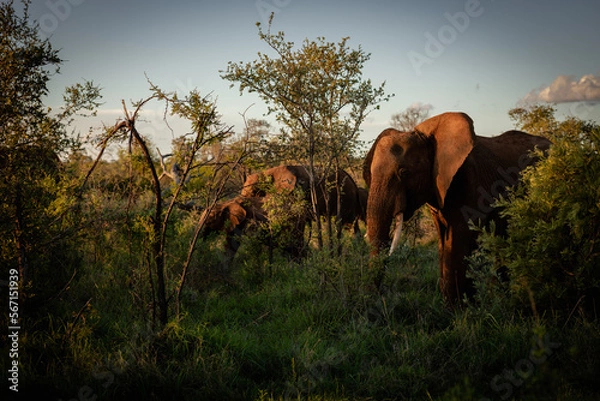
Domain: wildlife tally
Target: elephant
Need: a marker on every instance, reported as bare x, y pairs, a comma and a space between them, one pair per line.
237, 216
363, 197
232, 217
288, 178
352, 200
458, 174
283, 178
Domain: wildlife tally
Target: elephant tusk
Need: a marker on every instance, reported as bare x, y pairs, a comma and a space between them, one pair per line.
397, 232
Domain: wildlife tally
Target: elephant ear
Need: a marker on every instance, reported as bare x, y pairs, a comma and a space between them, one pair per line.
249, 188
286, 180
453, 137
369, 157
237, 214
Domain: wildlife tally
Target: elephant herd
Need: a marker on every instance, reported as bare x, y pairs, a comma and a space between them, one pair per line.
247, 210
441, 163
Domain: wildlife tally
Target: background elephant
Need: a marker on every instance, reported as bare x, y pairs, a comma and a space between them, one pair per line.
233, 217
281, 177
236, 216
457, 173
352, 207
288, 178
363, 197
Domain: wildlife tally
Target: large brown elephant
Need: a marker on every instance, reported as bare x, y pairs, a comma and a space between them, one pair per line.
288, 178
457, 173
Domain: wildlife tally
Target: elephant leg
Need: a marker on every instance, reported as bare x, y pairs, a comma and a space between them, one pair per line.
443, 253
454, 283
356, 227
339, 226
454, 245
232, 244
298, 242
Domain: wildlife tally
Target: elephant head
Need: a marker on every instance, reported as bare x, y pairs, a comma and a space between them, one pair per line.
404, 170
233, 217
238, 216
252, 186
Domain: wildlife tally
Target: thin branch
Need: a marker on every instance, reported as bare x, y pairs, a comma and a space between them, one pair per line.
70, 329
117, 127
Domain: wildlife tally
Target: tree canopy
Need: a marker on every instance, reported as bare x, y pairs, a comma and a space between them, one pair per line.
34, 193
317, 92
408, 119
319, 95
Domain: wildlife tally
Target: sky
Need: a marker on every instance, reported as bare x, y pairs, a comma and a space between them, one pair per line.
482, 57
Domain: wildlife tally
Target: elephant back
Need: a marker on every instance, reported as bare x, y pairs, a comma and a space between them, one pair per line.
283, 178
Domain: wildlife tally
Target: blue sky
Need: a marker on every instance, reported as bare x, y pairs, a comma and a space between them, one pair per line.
481, 57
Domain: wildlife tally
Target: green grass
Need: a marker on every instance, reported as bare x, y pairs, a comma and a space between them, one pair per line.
313, 330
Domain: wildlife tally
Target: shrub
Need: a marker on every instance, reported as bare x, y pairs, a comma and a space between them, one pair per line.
287, 213
552, 250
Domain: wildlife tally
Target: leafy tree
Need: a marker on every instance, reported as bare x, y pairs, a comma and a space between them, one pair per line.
35, 190
317, 93
552, 250
408, 119
207, 130
537, 119
540, 119
263, 150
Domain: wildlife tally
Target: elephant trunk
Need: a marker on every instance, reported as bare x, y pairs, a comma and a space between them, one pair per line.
379, 219
386, 204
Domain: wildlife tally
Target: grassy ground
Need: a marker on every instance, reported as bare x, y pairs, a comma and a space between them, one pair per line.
313, 330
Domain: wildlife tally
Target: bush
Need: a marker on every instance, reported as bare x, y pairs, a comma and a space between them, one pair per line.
552, 250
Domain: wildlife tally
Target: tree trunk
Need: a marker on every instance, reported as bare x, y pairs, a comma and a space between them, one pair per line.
339, 224
158, 237
315, 198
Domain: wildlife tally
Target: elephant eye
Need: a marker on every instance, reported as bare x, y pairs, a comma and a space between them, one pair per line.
396, 149
402, 172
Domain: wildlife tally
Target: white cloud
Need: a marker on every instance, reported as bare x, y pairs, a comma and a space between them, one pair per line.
566, 88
